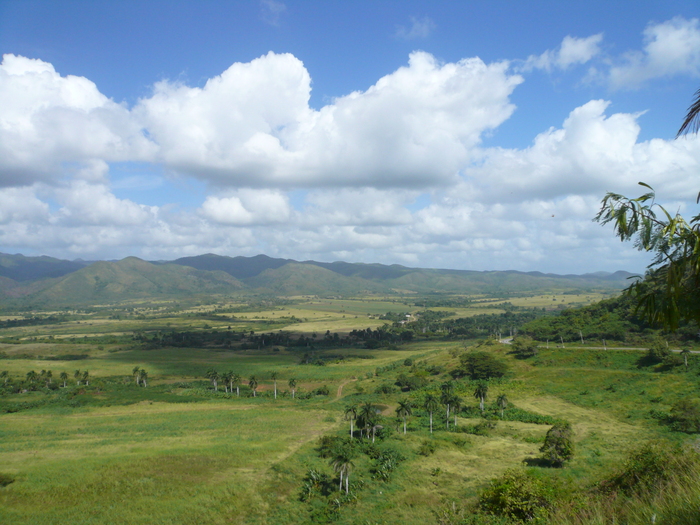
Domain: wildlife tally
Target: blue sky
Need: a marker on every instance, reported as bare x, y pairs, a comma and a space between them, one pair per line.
474, 135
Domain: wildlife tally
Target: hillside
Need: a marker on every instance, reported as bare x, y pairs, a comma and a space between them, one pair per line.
47, 281
133, 278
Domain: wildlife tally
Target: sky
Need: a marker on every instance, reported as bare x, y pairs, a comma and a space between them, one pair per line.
476, 135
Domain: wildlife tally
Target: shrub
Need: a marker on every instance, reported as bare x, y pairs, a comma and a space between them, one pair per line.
685, 415
481, 365
524, 347
649, 467
322, 391
558, 446
427, 448
518, 496
5, 480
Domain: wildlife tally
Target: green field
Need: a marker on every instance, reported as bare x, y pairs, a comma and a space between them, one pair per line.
179, 452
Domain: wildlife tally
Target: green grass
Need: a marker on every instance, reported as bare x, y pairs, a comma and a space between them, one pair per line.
178, 453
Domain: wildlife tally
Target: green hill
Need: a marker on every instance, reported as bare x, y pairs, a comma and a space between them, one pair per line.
309, 279
133, 278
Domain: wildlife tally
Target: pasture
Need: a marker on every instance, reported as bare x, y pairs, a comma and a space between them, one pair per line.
179, 452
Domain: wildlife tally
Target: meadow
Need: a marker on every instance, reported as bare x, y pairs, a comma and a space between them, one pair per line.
178, 451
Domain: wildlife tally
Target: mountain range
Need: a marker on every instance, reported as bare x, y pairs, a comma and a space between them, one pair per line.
48, 281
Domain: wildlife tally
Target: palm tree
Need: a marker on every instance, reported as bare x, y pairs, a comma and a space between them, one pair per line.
225, 380
77, 377
49, 377
685, 352
456, 405
446, 398
5, 376
293, 386
482, 390
367, 417
351, 414
404, 411
236, 380
135, 373
431, 404
214, 377
273, 375
86, 375
502, 403
64, 378
253, 384
692, 119
342, 464
31, 376
143, 376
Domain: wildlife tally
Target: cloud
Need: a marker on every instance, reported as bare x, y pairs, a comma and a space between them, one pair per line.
671, 48
590, 154
252, 126
420, 28
271, 11
248, 207
572, 51
47, 119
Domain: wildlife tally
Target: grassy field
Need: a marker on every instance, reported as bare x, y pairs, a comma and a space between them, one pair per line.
178, 452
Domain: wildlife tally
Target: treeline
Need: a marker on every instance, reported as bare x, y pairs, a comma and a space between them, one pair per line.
612, 320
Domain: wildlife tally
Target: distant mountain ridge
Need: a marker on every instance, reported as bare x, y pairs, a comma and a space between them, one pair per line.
46, 280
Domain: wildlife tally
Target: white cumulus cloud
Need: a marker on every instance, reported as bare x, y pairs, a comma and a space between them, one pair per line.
572, 51
670, 48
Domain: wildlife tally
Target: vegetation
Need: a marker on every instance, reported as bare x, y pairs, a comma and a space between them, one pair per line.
303, 421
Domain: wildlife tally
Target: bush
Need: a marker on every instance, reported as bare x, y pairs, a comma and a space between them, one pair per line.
524, 347
518, 496
427, 448
482, 365
6, 479
685, 416
558, 445
322, 391
649, 468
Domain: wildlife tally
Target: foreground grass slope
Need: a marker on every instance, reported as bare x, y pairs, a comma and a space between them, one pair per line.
180, 452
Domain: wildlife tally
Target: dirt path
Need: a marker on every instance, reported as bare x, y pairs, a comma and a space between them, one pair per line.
340, 388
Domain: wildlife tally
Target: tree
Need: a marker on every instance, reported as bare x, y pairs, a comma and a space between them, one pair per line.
64, 378
480, 393
342, 464
456, 405
691, 123
77, 377
685, 352
558, 446
5, 375
351, 414
524, 347
273, 375
668, 294
86, 376
236, 380
143, 376
447, 389
253, 384
293, 386
482, 365
31, 376
367, 418
135, 373
502, 403
226, 379
404, 411
213, 376
431, 404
